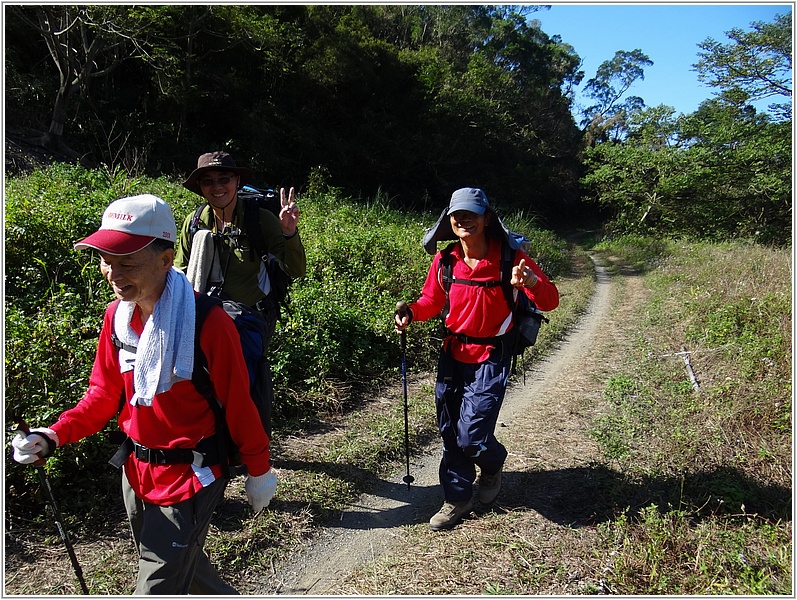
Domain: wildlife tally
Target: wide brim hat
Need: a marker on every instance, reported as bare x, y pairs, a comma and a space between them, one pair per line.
131, 224
215, 161
475, 201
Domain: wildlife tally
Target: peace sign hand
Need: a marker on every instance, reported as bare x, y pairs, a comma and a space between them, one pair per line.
289, 213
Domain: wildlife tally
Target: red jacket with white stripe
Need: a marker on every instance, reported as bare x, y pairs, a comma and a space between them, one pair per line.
177, 418
478, 311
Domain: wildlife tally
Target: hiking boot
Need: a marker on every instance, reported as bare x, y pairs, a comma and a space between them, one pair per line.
450, 515
489, 486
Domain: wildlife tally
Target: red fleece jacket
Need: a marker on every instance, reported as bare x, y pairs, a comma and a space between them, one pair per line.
178, 418
476, 310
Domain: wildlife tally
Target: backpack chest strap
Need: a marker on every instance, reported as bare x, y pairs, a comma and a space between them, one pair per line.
486, 284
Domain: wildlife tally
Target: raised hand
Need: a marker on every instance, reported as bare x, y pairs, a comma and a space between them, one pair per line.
522, 276
289, 213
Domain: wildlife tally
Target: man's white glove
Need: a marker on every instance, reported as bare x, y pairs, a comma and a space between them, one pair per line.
260, 489
39, 443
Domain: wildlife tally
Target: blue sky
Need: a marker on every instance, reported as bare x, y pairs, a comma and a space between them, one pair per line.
667, 33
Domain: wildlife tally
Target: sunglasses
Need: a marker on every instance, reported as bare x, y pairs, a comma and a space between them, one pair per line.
208, 182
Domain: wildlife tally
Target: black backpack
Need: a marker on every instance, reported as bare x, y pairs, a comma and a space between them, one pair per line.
253, 199
220, 449
525, 314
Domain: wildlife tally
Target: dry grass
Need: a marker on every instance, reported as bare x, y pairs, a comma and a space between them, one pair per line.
502, 552
572, 518
668, 518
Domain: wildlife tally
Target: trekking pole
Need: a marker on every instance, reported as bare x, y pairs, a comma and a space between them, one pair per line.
408, 479
23, 428
401, 309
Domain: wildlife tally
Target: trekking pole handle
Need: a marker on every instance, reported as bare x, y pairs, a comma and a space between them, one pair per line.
403, 310
22, 427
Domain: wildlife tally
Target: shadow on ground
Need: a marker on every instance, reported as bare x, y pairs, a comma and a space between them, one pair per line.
573, 497
585, 496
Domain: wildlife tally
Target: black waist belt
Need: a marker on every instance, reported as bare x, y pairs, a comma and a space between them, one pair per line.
204, 455
469, 339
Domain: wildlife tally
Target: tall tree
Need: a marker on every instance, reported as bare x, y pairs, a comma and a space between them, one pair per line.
756, 64
606, 119
84, 43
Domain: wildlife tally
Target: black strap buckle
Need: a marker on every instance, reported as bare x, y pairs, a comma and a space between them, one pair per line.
264, 305
150, 455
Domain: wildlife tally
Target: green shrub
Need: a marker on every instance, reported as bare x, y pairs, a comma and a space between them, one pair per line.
336, 338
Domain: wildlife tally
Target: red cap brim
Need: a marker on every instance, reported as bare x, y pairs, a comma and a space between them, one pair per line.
117, 243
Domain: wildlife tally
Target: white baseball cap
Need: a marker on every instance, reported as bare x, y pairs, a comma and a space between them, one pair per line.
130, 224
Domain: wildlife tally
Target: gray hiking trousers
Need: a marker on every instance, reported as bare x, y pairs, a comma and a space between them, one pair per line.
170, 541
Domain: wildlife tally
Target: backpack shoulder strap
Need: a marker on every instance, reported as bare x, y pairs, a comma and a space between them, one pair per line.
196, 219
115, 338
121, 346
507, 262
446, 266
446, 277
200, 377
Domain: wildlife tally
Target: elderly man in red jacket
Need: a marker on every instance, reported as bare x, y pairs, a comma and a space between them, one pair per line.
170, 483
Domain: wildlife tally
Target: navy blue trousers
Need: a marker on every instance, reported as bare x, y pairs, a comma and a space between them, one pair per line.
468, 399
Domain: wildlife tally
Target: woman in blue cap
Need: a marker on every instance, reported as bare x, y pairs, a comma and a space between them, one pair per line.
477, 352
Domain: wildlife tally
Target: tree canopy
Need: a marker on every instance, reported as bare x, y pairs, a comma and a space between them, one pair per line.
410, 102
723, 171
756, 64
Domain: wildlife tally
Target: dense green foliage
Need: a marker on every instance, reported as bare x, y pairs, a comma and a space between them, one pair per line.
415, 100
337, 336
722, 171
412, 102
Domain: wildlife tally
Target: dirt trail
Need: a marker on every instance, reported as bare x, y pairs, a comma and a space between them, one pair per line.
373, 526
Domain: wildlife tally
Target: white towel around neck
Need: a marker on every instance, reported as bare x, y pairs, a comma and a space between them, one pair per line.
165, 350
